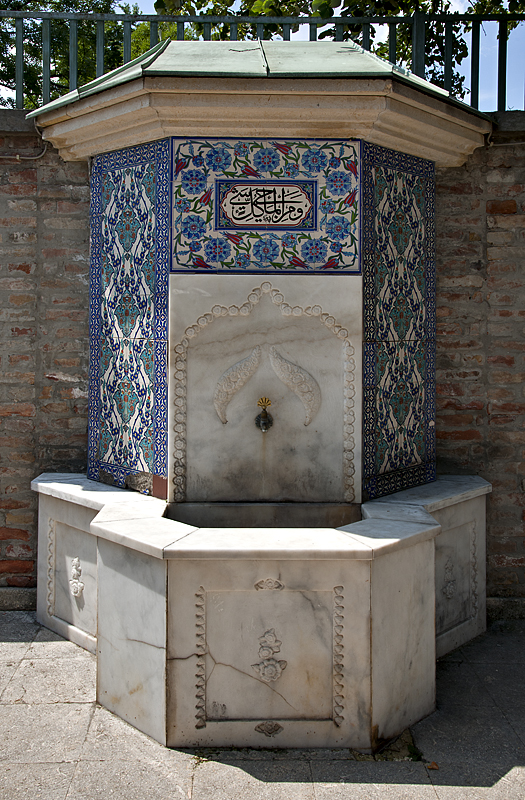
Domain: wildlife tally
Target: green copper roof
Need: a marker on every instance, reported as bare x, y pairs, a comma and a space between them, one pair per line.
251, 59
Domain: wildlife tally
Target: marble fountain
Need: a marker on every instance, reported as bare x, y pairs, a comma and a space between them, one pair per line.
260, 553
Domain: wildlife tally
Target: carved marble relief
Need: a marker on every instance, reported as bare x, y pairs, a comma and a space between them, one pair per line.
338, 655
269, 669
76, 586
233, 380
50, 593
269, 583
200, 649
449, 586
296, 378
269, 728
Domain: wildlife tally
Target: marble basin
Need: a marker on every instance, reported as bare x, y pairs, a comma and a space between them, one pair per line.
265, 515
287, 635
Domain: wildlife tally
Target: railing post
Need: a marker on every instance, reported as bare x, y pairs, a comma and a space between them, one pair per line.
46, 62
73, 54
366, 36
126, 52
448, 56
392, 42
474, 65
502, 65
153, 33
418, 44
100, 48
19, 62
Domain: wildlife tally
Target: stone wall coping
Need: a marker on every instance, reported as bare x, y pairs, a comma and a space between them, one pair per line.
445, 491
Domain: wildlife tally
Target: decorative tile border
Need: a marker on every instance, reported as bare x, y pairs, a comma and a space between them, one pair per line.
130, 254
258, 206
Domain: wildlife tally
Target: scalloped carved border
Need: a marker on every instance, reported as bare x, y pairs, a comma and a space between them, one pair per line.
338, 656
217, 311
50, 595
200, 649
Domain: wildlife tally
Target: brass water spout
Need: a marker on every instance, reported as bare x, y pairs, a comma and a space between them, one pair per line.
264, 421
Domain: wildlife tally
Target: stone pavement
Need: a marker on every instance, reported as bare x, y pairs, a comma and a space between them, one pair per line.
56, 743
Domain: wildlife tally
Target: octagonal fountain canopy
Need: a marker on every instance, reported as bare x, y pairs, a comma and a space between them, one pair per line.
262, 285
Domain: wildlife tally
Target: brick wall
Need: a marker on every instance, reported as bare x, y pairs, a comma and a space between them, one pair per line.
481, 340
43, 337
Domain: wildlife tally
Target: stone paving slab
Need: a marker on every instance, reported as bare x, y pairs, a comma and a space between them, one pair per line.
57, 744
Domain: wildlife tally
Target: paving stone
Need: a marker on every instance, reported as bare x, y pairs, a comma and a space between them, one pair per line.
109, 737
31, 781
504, 682
479, 783
462, 734
48, 644
7, 670
43, 733
503, 642
17, 631
458, 683
253, 780
53, 680
372, 780
127, 780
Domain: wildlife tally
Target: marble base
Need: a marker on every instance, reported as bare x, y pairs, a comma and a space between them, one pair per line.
267, 636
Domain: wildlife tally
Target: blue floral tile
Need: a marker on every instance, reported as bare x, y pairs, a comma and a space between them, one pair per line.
130, 252
265, 206
398, 245
398, 414
399, 321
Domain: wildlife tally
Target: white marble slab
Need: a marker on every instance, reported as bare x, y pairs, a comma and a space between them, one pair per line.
403, 639
148, 535
219, 698
400, 512
267, 543
131, 644
76, 488
386, 535
446, 490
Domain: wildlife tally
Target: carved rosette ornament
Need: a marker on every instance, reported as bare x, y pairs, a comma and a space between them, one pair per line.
76, 587
269, 669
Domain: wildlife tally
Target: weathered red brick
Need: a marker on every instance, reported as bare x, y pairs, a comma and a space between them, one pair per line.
15, 534
501, 207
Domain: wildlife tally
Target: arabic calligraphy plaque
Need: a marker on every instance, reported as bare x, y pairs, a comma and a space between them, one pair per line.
266, 205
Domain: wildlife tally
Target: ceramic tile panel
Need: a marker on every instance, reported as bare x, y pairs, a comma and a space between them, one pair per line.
264, 206
398, 245
130, 231
399, 321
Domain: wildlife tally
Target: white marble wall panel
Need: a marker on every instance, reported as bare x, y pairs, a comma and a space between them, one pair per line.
75, 598
131, 643
226, 616
403, 639
314, 323
460, 573
63, 534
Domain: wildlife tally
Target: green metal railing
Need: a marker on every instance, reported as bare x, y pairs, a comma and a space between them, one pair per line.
419, 23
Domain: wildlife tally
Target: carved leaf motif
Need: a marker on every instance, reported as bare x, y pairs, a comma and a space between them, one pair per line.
234, 379
299, 381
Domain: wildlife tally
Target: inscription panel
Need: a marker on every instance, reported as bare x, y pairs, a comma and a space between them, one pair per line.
254, 205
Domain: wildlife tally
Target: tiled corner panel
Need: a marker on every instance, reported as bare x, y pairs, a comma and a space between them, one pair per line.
399, 321
130, 233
